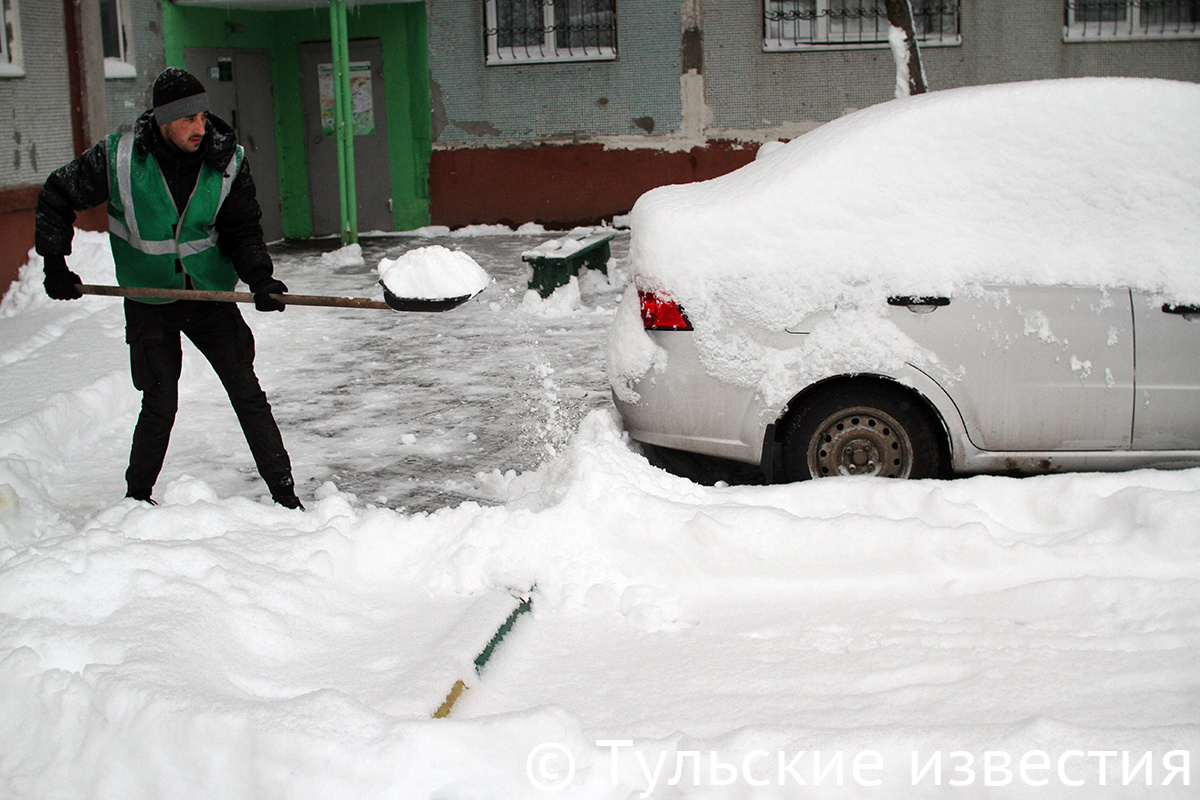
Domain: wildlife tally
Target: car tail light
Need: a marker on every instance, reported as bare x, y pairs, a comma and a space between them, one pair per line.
661, 313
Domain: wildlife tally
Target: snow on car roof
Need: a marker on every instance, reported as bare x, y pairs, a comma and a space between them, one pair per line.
1092, 181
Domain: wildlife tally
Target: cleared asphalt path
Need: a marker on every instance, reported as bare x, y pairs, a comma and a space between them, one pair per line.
406, 409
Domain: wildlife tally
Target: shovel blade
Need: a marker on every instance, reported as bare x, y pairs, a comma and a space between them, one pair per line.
422, 303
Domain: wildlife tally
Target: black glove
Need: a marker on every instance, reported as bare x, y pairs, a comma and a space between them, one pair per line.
60, 282
262, 295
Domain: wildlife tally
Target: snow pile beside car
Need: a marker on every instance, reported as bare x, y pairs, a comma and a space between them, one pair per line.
1046, 182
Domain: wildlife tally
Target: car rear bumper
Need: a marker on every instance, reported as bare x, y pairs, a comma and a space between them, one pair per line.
684, 408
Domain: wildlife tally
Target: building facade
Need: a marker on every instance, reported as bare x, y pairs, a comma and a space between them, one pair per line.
52, 92
510, 111
66, 83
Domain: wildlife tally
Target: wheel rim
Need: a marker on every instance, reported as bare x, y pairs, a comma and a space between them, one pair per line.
860, 441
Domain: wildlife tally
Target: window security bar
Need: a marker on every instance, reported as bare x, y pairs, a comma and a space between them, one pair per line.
550, 30
813, 24
1130, 19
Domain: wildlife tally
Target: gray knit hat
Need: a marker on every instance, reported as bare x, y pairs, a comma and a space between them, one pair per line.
177, 94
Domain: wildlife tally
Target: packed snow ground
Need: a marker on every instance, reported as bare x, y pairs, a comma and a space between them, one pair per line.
830, 633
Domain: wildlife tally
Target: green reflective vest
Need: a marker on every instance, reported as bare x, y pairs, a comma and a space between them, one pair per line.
146, 232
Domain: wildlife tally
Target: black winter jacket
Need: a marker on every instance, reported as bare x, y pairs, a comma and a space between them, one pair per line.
84, 184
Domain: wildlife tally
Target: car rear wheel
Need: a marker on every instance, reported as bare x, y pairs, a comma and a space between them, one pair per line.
866, 430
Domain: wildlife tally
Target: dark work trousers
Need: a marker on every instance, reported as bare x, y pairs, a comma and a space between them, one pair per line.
156, 359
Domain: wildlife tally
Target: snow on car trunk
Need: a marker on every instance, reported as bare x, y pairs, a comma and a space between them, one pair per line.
1048, 183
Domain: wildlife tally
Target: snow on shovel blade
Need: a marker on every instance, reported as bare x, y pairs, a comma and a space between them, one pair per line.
431, 278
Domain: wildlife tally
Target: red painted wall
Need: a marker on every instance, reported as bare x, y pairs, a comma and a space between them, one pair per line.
561, 186
17, 208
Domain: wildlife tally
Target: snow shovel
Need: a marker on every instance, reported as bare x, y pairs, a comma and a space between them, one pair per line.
390, 300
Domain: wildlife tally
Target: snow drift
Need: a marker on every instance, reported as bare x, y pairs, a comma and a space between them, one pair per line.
217, 646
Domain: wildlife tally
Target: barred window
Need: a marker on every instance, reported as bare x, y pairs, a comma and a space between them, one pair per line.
550, 30
826, 24
10, 40
1090, 20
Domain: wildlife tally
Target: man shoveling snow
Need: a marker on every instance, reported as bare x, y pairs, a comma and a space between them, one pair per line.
182, 215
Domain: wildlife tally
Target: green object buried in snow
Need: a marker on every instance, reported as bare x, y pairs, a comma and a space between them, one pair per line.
555, 261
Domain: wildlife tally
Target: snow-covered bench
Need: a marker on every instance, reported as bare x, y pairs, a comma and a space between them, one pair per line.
555, 261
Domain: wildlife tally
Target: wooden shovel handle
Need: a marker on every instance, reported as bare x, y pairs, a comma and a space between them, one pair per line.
230, 297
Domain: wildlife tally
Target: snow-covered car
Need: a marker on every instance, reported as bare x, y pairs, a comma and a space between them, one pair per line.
990, 279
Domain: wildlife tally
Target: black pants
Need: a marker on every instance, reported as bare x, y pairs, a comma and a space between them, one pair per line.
156, 359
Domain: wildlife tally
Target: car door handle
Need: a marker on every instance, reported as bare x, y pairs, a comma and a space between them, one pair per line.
924, 304
1188, 312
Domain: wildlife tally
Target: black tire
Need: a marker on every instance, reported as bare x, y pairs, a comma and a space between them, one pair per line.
866, 429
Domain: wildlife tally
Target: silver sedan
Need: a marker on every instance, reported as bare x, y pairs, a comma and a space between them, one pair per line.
1032, 308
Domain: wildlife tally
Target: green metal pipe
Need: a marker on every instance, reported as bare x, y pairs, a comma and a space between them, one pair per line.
348, 114
336, 40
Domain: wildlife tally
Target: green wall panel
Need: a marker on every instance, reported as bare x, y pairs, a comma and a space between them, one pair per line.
402, 30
